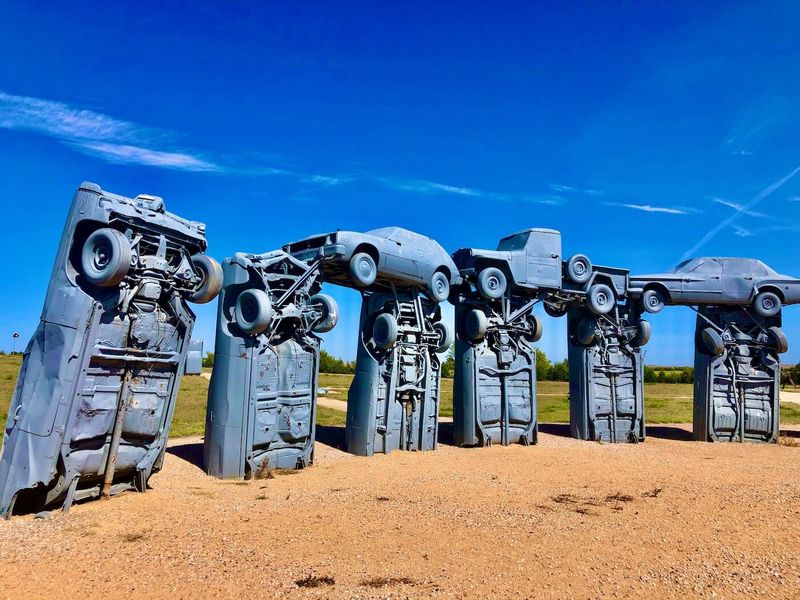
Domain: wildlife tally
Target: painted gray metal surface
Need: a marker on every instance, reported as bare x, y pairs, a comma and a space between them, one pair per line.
495, 375
718, 281
606, 373
94, 400
393, 402
262, 399
737, 376
194, 358
399, 258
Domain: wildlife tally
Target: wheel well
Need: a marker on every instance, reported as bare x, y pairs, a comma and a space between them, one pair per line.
444, 270
773, 289
660, 287
368, 249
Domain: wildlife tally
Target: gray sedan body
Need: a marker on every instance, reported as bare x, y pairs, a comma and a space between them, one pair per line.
402, 257
714, 280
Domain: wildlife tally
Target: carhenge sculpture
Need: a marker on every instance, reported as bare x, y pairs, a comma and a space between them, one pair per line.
738, 339
262, 399
393, 402
495, 378
94, 400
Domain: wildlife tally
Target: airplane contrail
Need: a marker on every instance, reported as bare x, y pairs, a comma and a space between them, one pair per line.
728, 221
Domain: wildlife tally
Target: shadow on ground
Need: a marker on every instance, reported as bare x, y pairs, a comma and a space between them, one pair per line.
191, 452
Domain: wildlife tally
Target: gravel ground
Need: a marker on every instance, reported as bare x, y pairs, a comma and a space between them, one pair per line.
668, 518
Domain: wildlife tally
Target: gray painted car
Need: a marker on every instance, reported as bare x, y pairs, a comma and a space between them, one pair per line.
381, 258
718, 281
96, 391
529, 262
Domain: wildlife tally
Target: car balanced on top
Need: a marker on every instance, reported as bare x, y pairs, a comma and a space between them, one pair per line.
708, 281
529, 263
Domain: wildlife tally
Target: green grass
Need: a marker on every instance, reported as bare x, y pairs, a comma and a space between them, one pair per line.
664, 403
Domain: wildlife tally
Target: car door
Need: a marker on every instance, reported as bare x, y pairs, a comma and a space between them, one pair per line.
702, 282
400, 259
737, 280
543, 253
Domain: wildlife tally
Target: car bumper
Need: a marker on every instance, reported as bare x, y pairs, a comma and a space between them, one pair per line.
323, 252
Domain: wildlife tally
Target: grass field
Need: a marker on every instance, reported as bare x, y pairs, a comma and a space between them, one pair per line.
664, 402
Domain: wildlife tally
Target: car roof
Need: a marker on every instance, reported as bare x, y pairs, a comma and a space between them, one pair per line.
398, 233
532, 229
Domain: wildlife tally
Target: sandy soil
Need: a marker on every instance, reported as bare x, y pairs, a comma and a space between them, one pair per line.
667, 518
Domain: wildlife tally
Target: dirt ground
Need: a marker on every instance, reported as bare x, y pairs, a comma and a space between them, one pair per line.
567, 519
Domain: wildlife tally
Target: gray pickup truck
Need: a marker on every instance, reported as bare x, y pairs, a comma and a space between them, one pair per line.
529, 262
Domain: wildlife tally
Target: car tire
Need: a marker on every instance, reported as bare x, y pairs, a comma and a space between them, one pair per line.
439, 287
643, 332
253, 311
778, 340
653, 301
210, 273
491, 283
767, 304
579, 268
384, 331
363, 269
585, 332
330, 312
106, 257
445, 334
712, 340
601, 299
554, 311
537, 327
475, 324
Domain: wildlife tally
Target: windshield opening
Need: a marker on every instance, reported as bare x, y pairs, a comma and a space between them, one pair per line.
514, 242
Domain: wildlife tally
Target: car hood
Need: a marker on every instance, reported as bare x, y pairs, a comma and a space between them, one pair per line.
656, 277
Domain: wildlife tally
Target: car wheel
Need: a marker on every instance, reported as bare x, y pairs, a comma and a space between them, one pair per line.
586, 331
211, 279
475, 324
537, 327
579, 268
555, 310
363, 269
439, 287
445, 335
767, 304
330, 312
384, 331
712, 340
642, 333
653, 301
601, 299
253, 311
778, 340
491, 283
106, 257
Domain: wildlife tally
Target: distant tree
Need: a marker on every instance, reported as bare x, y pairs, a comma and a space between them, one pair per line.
662, 377
208, 361
543, 366
650, 375
449, 364
332, 364
560, 371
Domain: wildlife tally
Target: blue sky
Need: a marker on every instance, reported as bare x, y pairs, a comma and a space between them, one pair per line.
643, 131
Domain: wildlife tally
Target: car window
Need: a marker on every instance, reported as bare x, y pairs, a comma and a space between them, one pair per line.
514, 242
738, 266
760, 269
681, 266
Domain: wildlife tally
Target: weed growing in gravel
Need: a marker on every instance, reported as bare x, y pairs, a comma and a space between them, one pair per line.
379, 582
312, 581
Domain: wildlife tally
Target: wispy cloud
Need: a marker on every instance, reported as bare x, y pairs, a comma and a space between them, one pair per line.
742, 232
739, 208
96, 134
422, 186
794, 199
557, 187
669, 210
766, 192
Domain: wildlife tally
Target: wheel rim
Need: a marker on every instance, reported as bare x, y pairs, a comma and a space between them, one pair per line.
364, 268
101, 254
767, 303
601, 299
249, 310
579, 268
653, 301
440, 286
